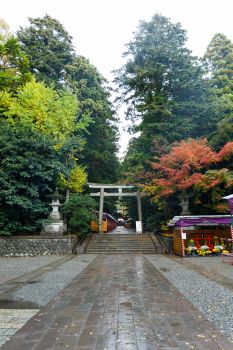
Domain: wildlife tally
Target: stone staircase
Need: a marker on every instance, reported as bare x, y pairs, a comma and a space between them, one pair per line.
127, 243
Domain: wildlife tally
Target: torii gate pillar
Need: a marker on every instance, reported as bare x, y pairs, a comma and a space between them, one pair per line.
101, 209
139, 206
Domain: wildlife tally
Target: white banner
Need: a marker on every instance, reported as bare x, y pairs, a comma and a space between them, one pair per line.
183, 235
138, 227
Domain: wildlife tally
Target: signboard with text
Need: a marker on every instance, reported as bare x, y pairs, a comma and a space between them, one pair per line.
183, 235
138, 227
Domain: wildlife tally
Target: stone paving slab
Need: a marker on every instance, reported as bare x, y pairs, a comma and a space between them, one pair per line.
120, 302
11, 321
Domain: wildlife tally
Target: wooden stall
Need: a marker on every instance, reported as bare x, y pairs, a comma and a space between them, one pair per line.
95, 226
201, 235
109, 223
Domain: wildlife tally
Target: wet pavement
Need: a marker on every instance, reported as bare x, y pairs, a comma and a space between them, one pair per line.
122, 230
119, 302
11, 320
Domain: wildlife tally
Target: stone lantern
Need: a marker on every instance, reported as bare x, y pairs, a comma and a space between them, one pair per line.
184, 203
54, 225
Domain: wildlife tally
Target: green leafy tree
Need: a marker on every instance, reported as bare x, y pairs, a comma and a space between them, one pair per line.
74, 182
29, 167
14, 65
80, 211
42, 108
37, 145
48, 47
53, 60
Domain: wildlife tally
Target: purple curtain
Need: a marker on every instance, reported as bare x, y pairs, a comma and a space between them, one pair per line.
230, 203
192, 222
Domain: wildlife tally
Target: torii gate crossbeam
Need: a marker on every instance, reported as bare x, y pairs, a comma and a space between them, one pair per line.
120, 193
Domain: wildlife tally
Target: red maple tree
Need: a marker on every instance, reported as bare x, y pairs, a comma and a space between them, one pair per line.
190, 163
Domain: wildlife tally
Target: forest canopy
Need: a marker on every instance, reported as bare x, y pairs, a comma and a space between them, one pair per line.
182, 108
58, 126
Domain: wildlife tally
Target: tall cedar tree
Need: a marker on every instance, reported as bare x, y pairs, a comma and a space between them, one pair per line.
167, 95
219, 62
99, 154
162, 83
48, 47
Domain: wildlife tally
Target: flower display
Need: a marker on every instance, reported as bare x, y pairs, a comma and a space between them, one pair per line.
207, 246
192, 249
204, 250
217, 249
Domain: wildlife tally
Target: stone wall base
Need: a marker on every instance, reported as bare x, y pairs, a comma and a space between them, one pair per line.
37, 245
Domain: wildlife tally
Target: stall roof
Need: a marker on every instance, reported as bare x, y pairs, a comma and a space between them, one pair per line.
194, 220
106, 215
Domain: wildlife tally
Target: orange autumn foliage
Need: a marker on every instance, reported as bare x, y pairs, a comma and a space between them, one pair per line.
226, 150
186, 166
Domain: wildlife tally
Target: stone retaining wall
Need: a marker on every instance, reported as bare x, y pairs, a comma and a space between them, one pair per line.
37, 245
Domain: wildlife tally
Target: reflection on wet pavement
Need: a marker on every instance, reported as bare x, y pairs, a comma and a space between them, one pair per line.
120, 302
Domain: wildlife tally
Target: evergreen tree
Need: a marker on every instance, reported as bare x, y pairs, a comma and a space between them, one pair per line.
99, 154
14, 65
48, 47
165, 89
162, 83
219, 62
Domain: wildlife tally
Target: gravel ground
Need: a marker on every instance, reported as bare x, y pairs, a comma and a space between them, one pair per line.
214, 264
210, 298
50, 283
14, 267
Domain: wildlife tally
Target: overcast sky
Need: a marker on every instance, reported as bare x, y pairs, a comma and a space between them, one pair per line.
101, 28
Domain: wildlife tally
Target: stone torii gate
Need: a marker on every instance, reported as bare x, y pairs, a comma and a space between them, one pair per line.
119, 193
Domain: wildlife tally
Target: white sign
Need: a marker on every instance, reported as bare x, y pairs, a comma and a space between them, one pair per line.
138, 227
183, 235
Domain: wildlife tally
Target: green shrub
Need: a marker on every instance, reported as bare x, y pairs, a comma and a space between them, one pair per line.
79, 212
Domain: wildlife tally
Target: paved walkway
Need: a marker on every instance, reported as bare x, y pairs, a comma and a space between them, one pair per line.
120, 302
121, 230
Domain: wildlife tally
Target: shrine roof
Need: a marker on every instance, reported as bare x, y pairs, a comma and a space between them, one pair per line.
195, 220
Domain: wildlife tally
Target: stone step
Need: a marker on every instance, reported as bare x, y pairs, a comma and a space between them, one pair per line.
121, 252
120, 247
121, 240
130, 243
122, 244
151, 251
